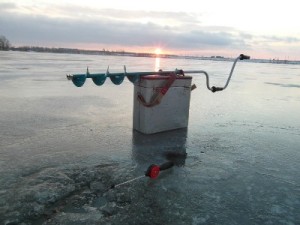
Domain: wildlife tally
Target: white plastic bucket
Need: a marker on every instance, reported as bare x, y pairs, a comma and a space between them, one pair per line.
173, 110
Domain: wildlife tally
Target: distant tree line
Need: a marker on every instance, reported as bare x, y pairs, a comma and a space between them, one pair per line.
80, 51
66, 50
45, 49
4, 43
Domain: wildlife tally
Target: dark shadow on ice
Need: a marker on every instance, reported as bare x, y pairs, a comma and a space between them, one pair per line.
284, 85
159, 148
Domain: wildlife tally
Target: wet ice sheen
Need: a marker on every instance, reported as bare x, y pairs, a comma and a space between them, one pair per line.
62, 147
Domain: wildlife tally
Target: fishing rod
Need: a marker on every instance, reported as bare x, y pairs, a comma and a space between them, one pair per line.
117, 78
152, 172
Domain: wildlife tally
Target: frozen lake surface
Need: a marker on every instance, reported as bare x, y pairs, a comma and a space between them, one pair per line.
61, 147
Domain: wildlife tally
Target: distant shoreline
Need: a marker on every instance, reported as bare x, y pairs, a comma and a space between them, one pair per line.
135, 54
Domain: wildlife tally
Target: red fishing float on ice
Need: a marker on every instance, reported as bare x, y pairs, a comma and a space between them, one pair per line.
152, 172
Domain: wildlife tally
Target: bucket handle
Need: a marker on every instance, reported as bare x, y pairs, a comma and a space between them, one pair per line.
157, 97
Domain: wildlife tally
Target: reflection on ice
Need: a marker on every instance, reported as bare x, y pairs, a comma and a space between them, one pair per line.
157, 148
157, 64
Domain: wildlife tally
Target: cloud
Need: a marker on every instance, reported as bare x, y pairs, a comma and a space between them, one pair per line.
69, 25
5, 6
114, 28
281, 39
90, 13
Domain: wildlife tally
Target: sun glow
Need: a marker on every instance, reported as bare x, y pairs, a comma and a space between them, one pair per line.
157, 51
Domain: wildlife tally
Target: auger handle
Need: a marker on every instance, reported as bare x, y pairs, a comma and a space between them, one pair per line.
215, 89
242, 57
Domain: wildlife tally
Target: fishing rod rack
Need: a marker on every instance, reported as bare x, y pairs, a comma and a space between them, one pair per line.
117, 78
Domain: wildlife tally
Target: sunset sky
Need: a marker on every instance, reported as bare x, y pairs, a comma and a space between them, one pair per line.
262, 29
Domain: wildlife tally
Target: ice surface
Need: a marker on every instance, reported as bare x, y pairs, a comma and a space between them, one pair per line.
62, 147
